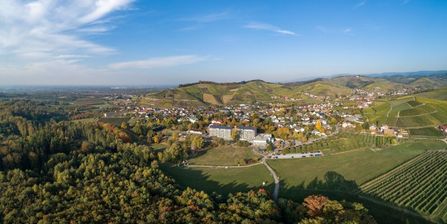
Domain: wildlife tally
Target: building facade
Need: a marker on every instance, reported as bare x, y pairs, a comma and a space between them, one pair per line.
219, 131
247, 133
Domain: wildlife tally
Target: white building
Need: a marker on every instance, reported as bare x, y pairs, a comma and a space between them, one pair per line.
262, 140
247, 133
220, 131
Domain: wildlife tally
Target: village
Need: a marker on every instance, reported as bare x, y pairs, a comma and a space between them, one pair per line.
268, 127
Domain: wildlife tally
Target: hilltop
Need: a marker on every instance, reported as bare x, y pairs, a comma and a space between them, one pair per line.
213, 93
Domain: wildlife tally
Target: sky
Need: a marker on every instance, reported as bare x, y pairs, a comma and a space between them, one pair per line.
159, 42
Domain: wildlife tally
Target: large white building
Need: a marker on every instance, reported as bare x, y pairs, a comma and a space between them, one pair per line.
262, 140
247, 133
220, 131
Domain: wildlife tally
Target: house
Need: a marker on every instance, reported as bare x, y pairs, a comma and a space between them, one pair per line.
347, 125
192, 132
262, 140
443, 128
373, 129
389, 132
247, 133
220, 131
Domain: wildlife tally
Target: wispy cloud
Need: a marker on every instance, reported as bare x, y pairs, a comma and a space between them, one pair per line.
360, 4
404, 2
43, 30
208, 18
347, 30
160, 62
326, 30
199, 21
269, 27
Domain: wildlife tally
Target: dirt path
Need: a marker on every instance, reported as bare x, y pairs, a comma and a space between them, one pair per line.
275, 177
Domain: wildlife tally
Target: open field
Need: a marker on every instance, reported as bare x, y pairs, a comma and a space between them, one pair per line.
420, 185
222, 181
409, 112
344, 141
226, 155
359, 166
431, 131
440, 94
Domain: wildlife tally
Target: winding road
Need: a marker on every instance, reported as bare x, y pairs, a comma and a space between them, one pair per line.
276, 179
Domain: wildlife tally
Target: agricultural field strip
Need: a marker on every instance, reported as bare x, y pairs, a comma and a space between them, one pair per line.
417, 115
430, 204
420, 201
417, 198
441, 210
383, 192
366, 185
390, 179
398, 172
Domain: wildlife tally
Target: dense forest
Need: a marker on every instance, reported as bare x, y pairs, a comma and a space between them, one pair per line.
54, 170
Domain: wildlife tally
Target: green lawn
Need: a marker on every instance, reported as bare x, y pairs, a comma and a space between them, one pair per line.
359, 166
219, 180
226, 155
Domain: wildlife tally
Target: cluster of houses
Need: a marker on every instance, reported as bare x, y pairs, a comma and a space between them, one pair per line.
385, 130
248, 134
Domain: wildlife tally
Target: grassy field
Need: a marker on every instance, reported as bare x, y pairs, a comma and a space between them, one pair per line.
432, 132
344, 141
226, 155
358, 166
221, 181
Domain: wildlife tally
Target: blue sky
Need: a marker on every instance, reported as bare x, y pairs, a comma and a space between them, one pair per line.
136, 42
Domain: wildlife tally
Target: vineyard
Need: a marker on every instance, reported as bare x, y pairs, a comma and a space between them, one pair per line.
419, 185
344, 142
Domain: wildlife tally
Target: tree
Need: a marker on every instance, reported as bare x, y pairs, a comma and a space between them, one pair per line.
365, 125
197, 142
235, 134
319, 126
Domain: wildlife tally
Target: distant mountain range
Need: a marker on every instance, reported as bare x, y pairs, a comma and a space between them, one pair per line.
212, 93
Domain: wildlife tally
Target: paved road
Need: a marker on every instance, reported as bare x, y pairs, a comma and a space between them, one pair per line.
275, 177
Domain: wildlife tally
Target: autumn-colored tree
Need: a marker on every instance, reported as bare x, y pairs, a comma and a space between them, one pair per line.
197, 142
315, 204
319, 126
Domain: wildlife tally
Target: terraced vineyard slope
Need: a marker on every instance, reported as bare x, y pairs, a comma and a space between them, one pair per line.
409, 112
419, 185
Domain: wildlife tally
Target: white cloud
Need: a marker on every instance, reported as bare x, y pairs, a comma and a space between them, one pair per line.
208, 18
42, 30
159, 62
347, 30
326, 30
404, 2
360, 4
269, 27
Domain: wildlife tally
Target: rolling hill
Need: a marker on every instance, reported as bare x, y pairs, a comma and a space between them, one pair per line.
409, 112
212, 93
